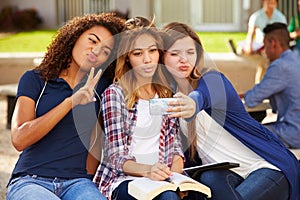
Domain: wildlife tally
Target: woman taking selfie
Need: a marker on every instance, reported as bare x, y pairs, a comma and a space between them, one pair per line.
223, 130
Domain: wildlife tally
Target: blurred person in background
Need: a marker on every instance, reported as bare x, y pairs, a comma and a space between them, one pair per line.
280, 85
268, 14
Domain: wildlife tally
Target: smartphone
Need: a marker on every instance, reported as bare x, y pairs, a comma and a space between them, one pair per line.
158, 106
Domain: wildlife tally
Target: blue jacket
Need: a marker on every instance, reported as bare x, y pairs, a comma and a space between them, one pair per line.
216, 95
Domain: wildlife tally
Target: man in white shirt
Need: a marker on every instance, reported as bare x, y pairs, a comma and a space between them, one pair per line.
268, 14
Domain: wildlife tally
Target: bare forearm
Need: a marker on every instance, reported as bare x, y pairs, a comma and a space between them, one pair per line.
249, 40
177, 164
29, 132
133, 168
157, 171
95, 151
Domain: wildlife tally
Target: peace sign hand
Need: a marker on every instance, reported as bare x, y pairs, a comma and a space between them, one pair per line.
86, 94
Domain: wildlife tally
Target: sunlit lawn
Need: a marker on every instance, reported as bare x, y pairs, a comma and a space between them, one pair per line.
217, 41
33, 41
37, 41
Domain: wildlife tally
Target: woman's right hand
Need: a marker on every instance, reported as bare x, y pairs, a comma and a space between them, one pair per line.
184, 106
86, 94
159, 172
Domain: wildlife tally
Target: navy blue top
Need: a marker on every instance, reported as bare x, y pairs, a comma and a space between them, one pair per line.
218, 98
63, 151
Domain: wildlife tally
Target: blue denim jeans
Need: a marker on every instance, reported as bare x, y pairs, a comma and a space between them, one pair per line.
41, 188
121, 193
261, 184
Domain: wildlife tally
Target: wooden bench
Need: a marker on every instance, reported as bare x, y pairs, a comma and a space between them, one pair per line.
9, 91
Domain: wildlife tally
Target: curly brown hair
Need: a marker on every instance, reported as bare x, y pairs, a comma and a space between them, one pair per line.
59, 53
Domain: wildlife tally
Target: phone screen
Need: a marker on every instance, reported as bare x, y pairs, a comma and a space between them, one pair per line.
158, 106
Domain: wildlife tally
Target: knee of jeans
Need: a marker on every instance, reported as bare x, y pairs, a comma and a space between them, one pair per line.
168, 195
210, 173
207, 176
214, 176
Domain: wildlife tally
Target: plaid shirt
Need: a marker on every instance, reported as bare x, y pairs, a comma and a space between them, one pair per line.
119, 123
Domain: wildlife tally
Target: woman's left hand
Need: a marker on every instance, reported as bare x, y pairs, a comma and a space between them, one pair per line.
86, 94
182, 106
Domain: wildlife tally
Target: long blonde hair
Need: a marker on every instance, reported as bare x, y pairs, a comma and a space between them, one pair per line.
173, 32
134, 28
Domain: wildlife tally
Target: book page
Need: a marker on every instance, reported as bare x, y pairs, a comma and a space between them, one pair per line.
145, 188
199, 187
186, 183
178, 179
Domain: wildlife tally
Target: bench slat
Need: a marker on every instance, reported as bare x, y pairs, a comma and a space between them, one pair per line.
9, 89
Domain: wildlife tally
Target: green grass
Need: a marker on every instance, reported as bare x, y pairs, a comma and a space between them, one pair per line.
217, 41
32, 41
37, 41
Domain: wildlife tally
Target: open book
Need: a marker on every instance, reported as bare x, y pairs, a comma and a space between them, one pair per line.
145, 189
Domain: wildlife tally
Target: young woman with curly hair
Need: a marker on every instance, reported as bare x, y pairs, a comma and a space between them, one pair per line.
57, 109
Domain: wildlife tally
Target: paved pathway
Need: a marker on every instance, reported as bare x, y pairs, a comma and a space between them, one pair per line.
8, 155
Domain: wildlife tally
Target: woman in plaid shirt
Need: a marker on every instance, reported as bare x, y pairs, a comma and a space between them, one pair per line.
137, 144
